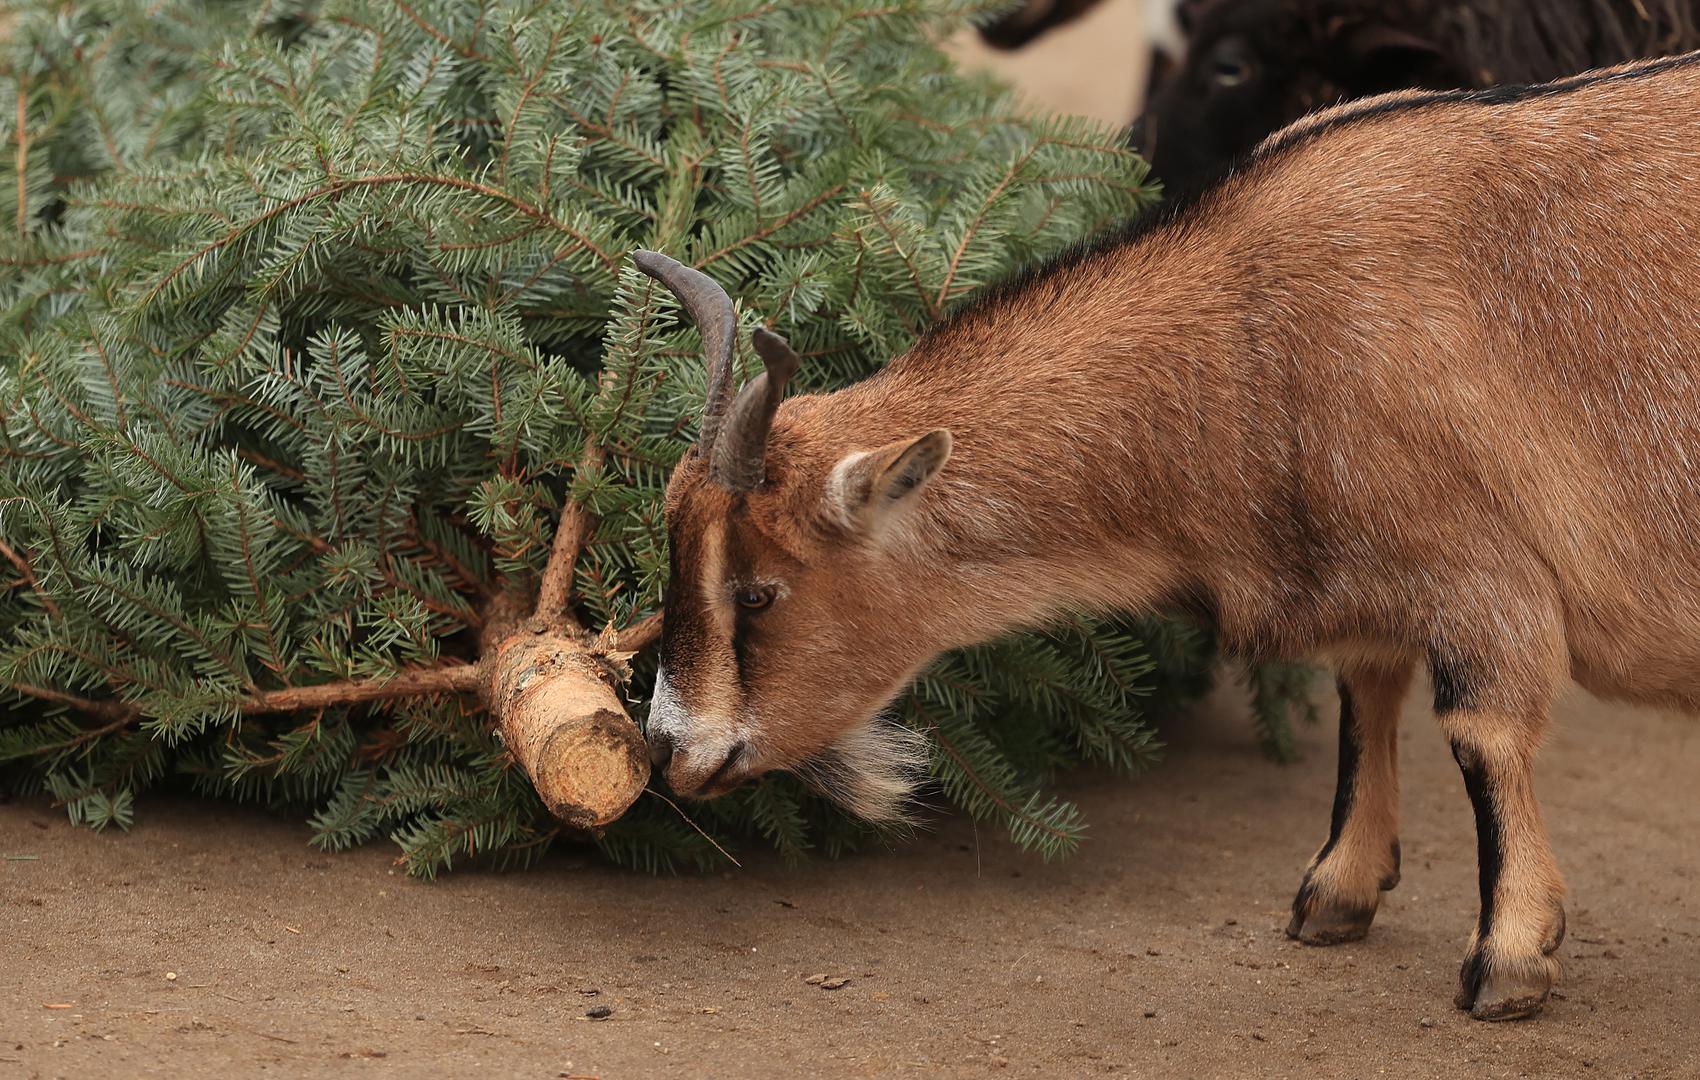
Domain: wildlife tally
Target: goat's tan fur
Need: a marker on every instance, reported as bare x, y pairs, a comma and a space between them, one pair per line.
1421, 387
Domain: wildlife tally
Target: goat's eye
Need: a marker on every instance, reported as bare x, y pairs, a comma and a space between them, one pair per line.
1230, 65
753, 598
1230, 72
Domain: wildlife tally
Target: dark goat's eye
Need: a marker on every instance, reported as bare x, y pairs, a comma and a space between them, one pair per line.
1230, 64
1228, 72
754, 598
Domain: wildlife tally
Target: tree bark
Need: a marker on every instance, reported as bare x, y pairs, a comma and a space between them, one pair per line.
553, 697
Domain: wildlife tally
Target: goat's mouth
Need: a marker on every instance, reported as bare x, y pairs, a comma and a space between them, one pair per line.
732, 773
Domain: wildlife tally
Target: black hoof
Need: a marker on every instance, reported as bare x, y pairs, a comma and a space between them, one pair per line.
1330, 926
1504, 992
1320, 922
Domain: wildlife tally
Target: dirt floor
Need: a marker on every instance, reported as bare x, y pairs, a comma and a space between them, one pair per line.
212, 942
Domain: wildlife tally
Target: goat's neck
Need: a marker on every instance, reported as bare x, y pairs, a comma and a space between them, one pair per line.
1092, 456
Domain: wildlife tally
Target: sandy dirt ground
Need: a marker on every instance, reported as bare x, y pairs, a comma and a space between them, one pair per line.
213, 942
1156, 952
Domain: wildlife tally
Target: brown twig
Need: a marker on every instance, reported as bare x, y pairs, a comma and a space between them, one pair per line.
570, 537
641, 634
447, 558
118, 712
254, 457
23, 154
694, 825
28, 573
450, 678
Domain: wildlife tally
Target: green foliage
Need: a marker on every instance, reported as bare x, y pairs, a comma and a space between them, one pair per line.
309, 310
1279, 693
88, 805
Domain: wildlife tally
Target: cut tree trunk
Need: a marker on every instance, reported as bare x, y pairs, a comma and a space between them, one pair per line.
552, 695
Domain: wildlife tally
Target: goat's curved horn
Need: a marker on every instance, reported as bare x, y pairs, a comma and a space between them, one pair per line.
740, 457
711, 309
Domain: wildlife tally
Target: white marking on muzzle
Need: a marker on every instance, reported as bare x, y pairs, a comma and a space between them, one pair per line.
667, 714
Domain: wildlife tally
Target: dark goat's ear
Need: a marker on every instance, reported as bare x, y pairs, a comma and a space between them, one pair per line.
1388, 58
1188, 12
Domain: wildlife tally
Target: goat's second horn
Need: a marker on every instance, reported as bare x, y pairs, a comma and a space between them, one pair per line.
740, 456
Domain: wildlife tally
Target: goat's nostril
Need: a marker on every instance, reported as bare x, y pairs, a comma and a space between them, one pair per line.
661, 748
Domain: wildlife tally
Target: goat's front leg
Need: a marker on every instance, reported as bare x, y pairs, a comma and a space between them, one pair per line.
1510, 967
1360, 860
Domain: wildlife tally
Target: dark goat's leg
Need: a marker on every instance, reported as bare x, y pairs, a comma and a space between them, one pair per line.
1360, 860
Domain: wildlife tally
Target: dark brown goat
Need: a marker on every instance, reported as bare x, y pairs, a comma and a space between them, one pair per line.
1419, 386
1251, 67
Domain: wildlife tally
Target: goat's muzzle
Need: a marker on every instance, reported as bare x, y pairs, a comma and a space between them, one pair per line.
703, 770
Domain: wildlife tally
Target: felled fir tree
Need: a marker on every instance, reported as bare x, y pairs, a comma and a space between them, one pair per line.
320, 337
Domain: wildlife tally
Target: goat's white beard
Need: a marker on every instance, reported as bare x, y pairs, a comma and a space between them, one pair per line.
871, 770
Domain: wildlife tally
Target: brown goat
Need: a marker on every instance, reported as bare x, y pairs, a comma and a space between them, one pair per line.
1421, 385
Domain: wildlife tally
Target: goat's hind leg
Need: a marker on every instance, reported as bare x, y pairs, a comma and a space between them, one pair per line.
1360, 860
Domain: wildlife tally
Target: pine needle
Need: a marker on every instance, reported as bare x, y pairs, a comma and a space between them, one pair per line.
687, 819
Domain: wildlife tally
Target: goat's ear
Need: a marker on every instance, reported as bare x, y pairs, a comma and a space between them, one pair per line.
1386, 58
870, 487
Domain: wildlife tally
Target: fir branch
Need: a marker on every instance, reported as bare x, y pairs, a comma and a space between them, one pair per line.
464, 50
1279, 692
525, 94
1017, 814
773, 226
338, 187
979, 217
231, 398
884, 221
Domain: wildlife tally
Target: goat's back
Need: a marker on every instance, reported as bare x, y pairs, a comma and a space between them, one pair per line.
1487, 309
